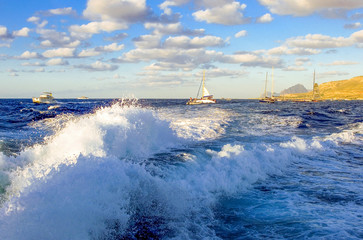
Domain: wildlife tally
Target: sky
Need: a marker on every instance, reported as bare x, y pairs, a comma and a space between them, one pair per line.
159, 49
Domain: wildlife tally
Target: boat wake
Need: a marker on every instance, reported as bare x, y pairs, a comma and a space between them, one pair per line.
128, 172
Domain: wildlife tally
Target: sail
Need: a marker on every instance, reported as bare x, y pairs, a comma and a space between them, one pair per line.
206, 93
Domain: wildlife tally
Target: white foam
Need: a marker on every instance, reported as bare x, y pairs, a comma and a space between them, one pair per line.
354, 134
197, 124
296, 143
123, 132
263, 124
90, 177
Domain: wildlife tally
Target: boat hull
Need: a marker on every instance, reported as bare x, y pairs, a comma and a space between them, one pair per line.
45, 98
201, 101
267, 100
40, 100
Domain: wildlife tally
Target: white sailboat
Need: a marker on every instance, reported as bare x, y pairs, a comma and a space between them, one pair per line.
267, 99
206, 98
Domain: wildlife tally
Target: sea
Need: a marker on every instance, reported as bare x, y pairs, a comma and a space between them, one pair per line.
160, 169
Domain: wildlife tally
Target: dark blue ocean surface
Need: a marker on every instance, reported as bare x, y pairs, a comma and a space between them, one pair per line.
160, 169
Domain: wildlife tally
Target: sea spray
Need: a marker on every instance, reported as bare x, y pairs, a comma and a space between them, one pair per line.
240, 174
124, 132
94, 184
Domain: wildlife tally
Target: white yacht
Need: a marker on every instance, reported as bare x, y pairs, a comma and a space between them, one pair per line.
46, 97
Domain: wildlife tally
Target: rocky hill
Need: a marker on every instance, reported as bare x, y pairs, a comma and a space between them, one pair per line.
298, 88
351, 89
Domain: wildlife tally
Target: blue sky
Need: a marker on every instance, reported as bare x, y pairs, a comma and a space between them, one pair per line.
159, 49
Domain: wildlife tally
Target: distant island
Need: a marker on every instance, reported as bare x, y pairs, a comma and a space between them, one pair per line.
298, 88
351, 89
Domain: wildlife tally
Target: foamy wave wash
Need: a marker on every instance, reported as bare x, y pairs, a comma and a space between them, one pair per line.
123, 131
93, 179
77, 179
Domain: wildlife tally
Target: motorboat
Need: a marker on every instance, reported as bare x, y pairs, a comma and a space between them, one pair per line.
83, 97
46, 97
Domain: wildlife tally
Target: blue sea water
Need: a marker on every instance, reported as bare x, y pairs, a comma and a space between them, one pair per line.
160, 169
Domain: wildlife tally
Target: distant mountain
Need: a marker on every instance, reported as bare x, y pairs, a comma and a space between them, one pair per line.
351, 89
298, 88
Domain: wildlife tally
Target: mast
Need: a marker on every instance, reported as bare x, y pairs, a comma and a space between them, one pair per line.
266, 85
272, 83
203, 83
314, 86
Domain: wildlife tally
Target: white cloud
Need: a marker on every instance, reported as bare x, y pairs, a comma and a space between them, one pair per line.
89, 53
353, 25
87, 30
164, 28
57, 61
307, 7
185, 42
165, 5
147, 41
62, 11
24, 32
284, 50
33, 64
52, 38
251, 59
49, 43
113, 47
215, 3
219, 72
319, 41
43, 24
4, 34
339, 63
357, 36
34, 19
227, 14
171, 66
116, 10
171, 59
3, 30
301, 61
312, 43
265, 18
117, 38
171, 28
294, 69
59, 52
242, 33
39, 70
356, 16
98, 66
241, 58
29, 55
189, 53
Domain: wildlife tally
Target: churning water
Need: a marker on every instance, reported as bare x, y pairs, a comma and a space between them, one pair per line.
160, 169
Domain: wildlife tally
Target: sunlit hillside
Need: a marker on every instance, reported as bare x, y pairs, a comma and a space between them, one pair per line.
351, 89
